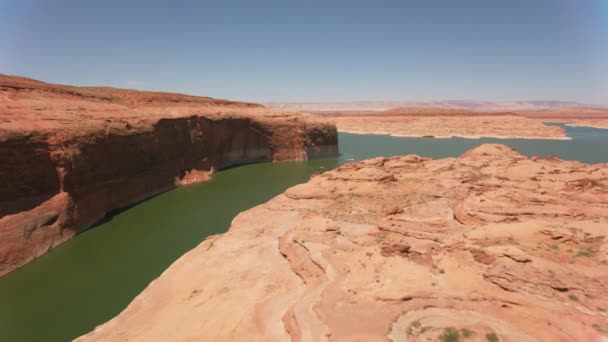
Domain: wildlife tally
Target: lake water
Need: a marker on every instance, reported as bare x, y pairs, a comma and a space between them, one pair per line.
92, 277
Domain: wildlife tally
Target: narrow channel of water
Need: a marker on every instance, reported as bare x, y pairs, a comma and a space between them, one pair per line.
91, 278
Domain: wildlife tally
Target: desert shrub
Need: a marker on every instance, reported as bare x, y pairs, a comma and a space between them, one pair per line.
450, 335
491, 337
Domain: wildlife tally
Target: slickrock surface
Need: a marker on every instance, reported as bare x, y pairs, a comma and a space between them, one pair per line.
489, 246
70, 154
444, 126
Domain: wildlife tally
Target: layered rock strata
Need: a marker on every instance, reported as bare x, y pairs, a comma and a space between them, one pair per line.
489, 246
70, 155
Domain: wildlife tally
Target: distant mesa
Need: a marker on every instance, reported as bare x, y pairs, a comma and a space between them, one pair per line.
445, 104
445, 119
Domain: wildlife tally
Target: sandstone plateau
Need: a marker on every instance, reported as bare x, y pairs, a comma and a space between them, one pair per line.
468, 119
467, 105
71, 154
458, 122
446, 126
490, 246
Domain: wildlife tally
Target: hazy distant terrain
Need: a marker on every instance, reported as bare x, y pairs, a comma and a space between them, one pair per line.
451, 104
504, 119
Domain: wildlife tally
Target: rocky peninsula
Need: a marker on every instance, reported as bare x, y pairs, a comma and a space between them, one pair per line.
70, 155
466, 119
465, 125
595, 123
489, 246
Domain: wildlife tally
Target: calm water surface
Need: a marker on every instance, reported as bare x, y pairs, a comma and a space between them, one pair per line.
91, 278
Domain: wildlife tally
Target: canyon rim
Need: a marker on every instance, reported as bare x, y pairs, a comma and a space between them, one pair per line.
70, 155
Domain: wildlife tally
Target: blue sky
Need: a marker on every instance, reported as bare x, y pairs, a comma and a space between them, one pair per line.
330, 50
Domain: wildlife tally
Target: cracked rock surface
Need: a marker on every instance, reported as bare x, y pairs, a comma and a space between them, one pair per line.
489, 246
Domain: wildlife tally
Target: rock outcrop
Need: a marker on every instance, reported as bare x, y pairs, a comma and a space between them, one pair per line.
70, 155
489, 246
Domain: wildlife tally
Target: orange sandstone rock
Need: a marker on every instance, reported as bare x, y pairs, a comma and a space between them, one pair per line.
467, 125
69, 155
489, 246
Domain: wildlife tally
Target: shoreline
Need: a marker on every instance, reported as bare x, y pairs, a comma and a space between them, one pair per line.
599, 123
584, 125
456, 136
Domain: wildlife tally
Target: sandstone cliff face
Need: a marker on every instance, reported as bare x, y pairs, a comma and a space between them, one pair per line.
70, 155
489, 246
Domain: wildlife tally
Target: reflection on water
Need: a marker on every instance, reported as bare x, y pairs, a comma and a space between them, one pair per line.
91, 278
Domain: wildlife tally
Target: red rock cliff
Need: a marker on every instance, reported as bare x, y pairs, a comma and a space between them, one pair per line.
72, 154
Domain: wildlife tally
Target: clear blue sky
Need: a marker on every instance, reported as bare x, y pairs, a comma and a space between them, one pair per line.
308, 50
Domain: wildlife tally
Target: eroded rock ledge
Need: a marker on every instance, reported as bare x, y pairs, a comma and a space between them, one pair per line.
72, 154
490, 246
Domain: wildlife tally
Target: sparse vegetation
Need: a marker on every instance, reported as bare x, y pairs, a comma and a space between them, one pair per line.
442, 271
466, 333
450, 335
573, 298
491, 337
600, 328
586, 252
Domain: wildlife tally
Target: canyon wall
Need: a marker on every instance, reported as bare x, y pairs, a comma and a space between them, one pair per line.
71, 155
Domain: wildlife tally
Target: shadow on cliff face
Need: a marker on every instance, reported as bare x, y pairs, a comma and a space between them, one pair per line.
28, 175
112, 213
145, 165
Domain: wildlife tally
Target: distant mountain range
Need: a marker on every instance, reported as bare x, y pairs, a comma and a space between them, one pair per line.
447, 104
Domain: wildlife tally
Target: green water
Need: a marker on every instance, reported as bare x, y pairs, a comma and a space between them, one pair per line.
91, 278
